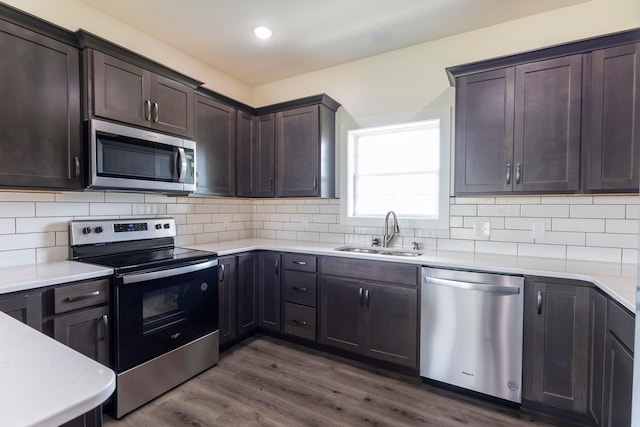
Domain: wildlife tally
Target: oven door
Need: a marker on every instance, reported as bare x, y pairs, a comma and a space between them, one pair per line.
160, 310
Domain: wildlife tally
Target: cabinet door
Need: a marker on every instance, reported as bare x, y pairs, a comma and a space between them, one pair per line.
247, 294
245, 148
484, 132
297, 140
548, 102
613, 140
597, 335
172, 106
86, 331
556, 344
265, 157
25, 307
619, 383
391, 324
341, 313
216, 149
121, 91
227, 299
269, 291
39, 111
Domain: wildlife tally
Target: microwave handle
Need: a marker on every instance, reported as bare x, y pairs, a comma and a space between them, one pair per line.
181, 164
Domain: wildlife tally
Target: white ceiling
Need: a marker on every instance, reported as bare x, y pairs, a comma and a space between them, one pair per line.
307, 34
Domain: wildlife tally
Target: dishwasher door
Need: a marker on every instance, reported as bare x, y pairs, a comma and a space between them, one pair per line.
471, 331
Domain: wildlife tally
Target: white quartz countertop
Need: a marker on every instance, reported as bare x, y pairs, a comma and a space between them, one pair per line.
43, 382
32, 276
616, 280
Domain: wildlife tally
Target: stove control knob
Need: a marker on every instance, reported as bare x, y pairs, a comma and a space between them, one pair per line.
86, 230
167, 225
98, 229
158, 226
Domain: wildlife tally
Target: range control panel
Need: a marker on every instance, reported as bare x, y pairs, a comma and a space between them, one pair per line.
85, 232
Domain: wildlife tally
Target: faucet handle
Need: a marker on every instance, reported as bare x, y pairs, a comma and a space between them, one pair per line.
375, 242
415, 246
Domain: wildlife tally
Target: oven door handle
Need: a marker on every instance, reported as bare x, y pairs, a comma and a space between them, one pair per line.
169, 272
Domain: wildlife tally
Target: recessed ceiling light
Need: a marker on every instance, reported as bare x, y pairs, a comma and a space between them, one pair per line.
262, 32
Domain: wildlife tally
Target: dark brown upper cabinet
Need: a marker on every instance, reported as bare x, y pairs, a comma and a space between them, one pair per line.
256, 155
555, 120
216, 147
39, 106
123, 86
305, 146
612, 148
518, 128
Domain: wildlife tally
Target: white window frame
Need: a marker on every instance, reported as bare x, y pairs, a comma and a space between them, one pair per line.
346, 189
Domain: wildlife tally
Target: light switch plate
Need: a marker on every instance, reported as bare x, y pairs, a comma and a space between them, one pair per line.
538, 230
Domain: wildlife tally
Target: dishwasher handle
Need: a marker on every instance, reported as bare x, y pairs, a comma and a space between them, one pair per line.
471, 286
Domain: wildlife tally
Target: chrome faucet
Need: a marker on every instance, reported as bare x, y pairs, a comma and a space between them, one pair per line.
395, 229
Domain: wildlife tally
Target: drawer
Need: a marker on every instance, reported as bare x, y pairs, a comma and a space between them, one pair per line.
80, 295
300, 321
622, 324
379, 271
300, 287
300, 262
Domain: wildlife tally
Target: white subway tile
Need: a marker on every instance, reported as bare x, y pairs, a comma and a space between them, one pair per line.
14, 196
286, 209
185, 240
328, 209
123, 197
533, 200
207, 238
229, 235
517, 236
180, 219
598, 211
497, 248
246, 234
455, 245
249, 209
432, 233
339, 228
19, 257
286, 235
573, 238
273, 225
465, 233
241, 217
291, 226
616, 200
308, 236
463, 210
542, 251
325, 218
10, 242
311, 209
199, 219
53, 254
228, 209
497, 222
369, 230
357, 239
265, 234
629, 226
235, 226
474, 200
62, 209
87, 197
272, 201
456, 221
62, 238
158, 198
578, 224
332, 238
207, 208
513, 223
180, 208
17, 209
630, 256
317, 201
545, 211
260, 217
610, 240
567, 200
40, 225
110, 209
148, 209
280, 217
631, 212
586, 253
7, 225
265, 209
499, 210
317, 227
189, 229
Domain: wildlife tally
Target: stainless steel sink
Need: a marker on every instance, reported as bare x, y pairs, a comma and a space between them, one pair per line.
378, 251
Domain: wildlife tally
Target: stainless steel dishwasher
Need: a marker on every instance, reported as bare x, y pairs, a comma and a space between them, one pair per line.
471, 331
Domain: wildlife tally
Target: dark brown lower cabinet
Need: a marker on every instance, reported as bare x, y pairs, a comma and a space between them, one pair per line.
556, 343
247, 294
227, 299
24, 306
375, 320
597, 350
269, 282
85, 331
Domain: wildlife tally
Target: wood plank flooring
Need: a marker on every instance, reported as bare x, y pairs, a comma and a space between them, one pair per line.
267, 382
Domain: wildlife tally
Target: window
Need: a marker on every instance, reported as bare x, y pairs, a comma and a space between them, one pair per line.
400, 167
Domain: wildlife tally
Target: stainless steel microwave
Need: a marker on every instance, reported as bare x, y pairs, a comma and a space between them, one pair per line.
127, 158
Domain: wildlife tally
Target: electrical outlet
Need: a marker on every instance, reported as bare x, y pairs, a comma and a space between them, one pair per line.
538, 230
481, 228
226, 221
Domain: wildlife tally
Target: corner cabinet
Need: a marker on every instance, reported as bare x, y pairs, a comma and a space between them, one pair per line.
369, 308
247, 294
125, 87
256, 155
39, 107
216, 147
227, 299
269, 283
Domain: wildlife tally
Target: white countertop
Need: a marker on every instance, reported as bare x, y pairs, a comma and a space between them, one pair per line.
43, 382
616, 280
32, 276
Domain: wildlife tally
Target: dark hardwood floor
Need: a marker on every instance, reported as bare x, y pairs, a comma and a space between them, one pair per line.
267, 382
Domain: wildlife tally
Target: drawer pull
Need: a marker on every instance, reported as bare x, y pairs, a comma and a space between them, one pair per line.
85, 296
299, 322
300, 262
296, 288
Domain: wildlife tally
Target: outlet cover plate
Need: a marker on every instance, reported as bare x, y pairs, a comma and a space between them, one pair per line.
481, 228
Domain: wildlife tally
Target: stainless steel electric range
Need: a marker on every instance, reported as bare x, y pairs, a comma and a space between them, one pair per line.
164, 304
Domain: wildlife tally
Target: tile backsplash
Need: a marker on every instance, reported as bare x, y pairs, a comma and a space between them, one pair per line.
33, 226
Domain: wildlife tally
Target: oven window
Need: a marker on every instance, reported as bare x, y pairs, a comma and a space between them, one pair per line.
160, 303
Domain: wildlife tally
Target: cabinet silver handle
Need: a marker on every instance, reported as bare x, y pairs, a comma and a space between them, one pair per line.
508, 173
105, 324
156, 112
270, 183
85, 296
315, 181
360, 293
277, 266
366, 297
76, 161
221, 273
539, 302
518, 173
299, 322
300, 262
295, 288
147, 110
